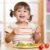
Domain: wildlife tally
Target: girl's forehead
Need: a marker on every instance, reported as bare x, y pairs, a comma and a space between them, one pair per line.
23, 8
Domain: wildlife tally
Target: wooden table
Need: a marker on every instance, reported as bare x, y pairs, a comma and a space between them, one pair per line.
11, 47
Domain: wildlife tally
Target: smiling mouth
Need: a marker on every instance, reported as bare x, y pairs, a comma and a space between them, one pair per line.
22, 16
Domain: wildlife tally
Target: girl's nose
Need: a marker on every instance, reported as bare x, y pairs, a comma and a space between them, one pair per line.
22, 13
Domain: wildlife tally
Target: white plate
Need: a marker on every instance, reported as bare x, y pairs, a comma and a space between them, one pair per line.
25, 47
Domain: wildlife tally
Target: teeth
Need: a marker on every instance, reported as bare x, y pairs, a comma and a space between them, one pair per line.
21, 16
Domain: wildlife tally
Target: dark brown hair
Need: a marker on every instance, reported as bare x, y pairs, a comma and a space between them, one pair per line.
20, 5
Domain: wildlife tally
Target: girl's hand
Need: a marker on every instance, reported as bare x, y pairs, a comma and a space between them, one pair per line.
36, 37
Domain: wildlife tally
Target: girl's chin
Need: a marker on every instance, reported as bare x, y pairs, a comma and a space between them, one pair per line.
22, 20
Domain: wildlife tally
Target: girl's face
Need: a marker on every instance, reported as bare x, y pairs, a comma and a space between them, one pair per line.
22, 14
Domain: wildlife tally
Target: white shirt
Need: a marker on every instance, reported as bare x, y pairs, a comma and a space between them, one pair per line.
24, 35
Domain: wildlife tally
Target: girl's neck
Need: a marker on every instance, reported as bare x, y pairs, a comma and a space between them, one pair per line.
22, 23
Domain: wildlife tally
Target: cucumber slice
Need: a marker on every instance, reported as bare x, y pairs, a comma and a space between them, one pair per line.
20, 44
30, 44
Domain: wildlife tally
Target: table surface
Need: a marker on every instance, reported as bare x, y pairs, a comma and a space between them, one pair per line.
11, 47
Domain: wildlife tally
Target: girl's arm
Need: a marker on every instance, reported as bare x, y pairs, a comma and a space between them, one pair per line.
37, 35
9, 36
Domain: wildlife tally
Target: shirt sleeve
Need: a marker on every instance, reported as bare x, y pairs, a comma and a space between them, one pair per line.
9, 28
35, 27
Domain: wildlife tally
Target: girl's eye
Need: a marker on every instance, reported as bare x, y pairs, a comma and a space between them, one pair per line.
24, 11
18, 10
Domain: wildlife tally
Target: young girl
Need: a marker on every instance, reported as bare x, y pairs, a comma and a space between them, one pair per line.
24, 32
